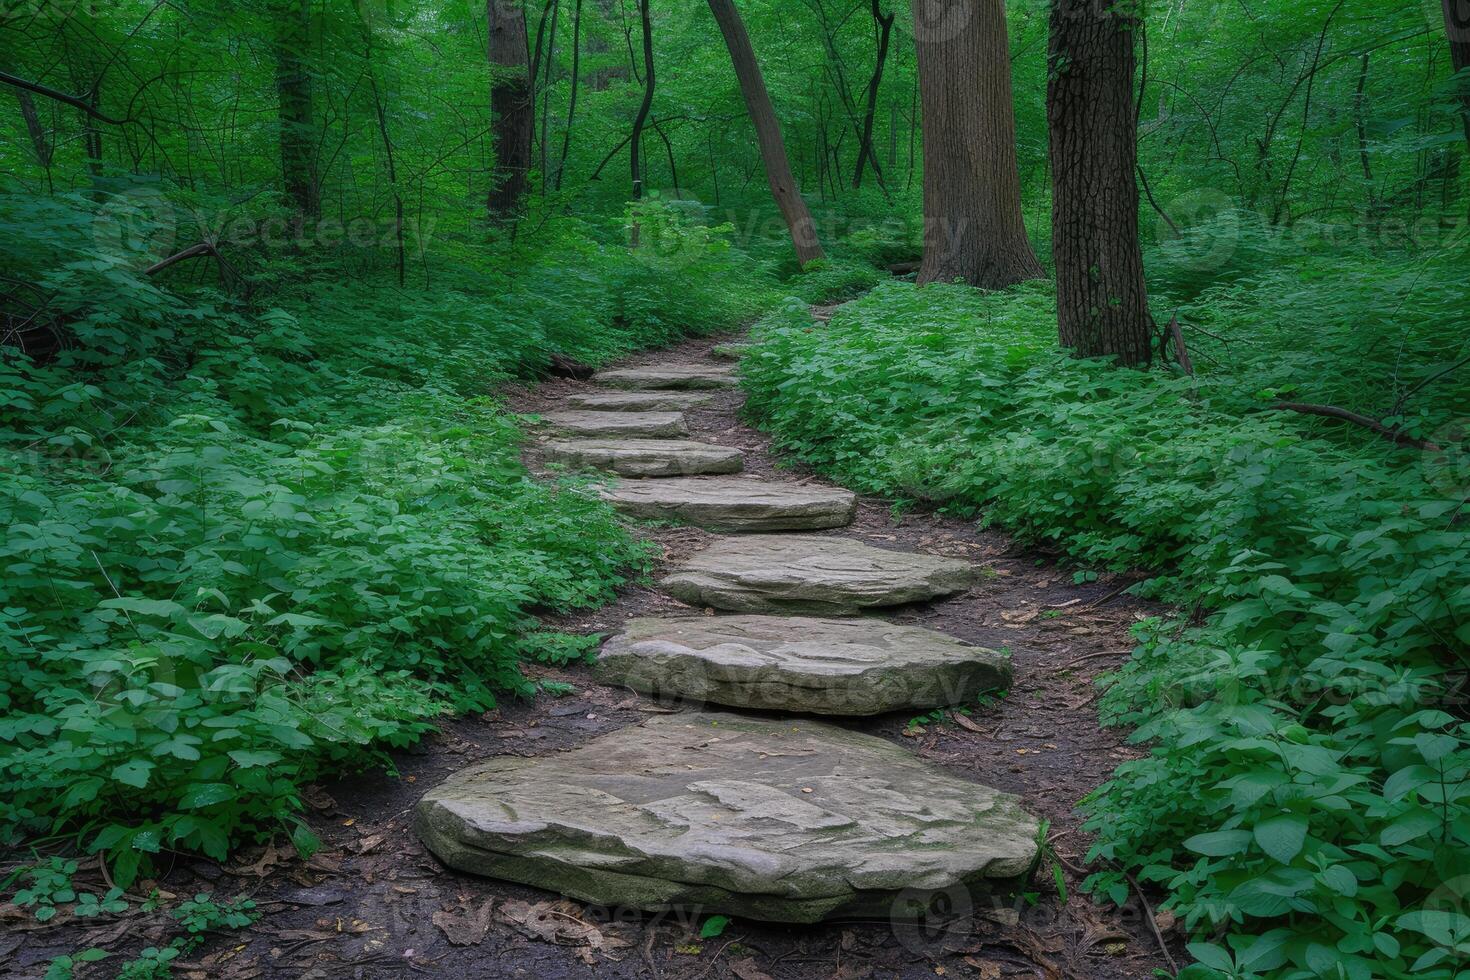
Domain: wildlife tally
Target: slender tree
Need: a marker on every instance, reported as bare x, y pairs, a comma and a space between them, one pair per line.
1457, 27
1102, 304
768, 132
511, 106
972, 187
641, 120
883, 25
566, 138
294, 90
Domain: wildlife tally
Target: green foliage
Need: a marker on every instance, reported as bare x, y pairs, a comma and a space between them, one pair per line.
64, 967
1306, 792
248, 545
153, 963
203, 914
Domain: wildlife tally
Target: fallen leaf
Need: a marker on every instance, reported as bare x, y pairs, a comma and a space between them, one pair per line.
745, 969
467, 925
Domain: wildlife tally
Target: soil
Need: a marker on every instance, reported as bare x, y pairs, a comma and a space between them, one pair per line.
374, 903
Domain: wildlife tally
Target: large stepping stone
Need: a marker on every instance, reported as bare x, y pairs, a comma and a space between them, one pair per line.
816, 575
639, 401
849, 667
646, 457
735, 505
718, 813
628, 425
730, 352
682, 377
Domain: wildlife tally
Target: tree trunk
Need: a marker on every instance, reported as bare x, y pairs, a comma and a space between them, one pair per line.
768, 132
1102, 303
972, 187
39, 143
636, 147
566, 139
865, 151
512, 108
1457, 28
544, 89
298, 109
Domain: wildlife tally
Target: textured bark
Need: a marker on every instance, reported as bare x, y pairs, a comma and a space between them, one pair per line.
297, 97
972, 188
512, 107
1457, 28
768, 133
1102, 304
636, 146
884, 24
37, 132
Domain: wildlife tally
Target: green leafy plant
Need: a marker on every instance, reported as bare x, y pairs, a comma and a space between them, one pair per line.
203, 913
1305, 800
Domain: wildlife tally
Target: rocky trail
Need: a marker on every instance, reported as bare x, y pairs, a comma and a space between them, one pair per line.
857, 736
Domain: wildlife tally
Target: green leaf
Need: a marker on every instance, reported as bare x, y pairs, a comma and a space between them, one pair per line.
201, 795
1282, 837
134, 773
713, 926
1221, 843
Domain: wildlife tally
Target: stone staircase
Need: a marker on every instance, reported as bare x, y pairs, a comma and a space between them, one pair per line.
775, 816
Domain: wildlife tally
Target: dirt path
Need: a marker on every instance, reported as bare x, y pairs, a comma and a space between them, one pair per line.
374, 903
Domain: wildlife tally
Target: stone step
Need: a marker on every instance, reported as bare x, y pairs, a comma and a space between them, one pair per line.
719, 813
729, 352
668, 377
846, 667
734, 504
629, 425
646, 457
821, 576
640, 401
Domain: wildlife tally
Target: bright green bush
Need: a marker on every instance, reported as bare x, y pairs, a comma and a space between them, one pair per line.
1305, 795
246, 546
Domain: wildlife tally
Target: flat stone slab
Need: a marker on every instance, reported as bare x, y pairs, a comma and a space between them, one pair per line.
681, 377
734, 504
651, 425
646, 457
718, 813
820, 576
729, 352
847, 667
639, 401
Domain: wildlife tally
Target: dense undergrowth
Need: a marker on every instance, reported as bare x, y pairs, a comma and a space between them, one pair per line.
1304, 801
248, 544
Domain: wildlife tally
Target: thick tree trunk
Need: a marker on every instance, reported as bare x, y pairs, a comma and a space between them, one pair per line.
298, 109
768, 132
972, 188
641, 120
884, 24
512, 108
1102, 303
1457, 27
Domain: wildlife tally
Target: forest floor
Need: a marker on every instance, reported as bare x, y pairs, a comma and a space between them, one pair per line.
374, 903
